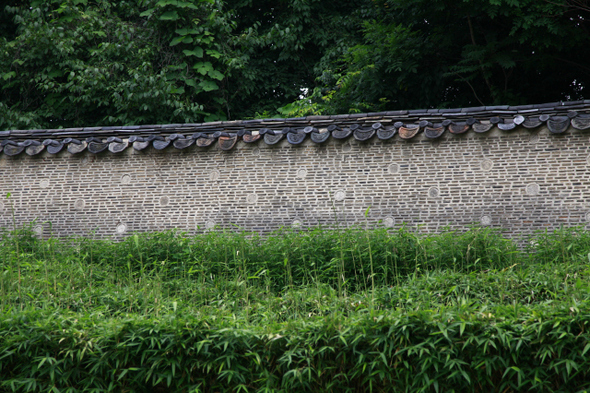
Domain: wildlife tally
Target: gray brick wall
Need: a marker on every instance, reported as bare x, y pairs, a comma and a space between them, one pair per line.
521, 181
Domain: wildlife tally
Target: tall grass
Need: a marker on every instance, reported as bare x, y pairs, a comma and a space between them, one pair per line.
304, 310
294, 258
353, 259
239, 271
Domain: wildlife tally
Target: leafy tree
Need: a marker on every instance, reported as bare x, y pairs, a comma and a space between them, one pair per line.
283, 46
82, 63
75, 63
436, 53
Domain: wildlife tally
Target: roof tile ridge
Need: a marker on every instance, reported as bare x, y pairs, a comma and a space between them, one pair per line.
553, 108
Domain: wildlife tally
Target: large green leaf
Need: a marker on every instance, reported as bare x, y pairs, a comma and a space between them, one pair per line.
169, 15
198, 52
8, 75
215, 74
186, 31
176, 3
203, 67
147, 12
176, 41
209, 85
213, 53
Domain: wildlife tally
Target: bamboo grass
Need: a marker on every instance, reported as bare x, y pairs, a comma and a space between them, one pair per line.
352, 309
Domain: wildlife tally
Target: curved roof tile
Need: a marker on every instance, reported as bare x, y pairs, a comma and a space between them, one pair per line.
558, 117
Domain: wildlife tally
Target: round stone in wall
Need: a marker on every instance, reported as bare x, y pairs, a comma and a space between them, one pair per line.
44, 183
487, 165
125, 179
588, 160
346, 147
164, 201
340, 195
533, 189
433, 192
302, 173
121, 228
485, 220
38, 230
393, 168
587, 216
388, 222
534, 138
252, 198
84, 161
79, 204
210, 224
296, 223
255, 151
214, 174
435, 143
1, 207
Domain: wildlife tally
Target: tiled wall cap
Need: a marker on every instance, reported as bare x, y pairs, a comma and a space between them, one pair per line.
558, 116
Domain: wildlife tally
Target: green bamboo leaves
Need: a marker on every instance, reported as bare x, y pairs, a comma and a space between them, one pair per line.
231, 311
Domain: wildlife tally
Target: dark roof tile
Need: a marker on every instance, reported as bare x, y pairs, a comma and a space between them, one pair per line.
474, 109
396, 113
505, 112
21, 133
338, 117
527, 115
548, 105
520, 107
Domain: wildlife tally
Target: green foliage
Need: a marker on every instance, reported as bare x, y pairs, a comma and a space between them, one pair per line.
460, 349
315, 256
456, 53
225, 311
76, 63
283, 46
79, 63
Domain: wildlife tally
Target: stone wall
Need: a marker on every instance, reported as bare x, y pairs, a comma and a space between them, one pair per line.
521, 180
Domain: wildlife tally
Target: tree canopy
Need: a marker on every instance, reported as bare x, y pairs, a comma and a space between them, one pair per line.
68, 63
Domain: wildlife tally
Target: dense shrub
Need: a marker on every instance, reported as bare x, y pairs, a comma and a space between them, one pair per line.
314, 310
462, 349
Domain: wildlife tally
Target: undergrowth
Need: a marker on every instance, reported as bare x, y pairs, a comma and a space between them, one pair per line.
305, 310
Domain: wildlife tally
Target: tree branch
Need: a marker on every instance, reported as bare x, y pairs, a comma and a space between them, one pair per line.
587, 69
574, 4
471, 87
483, 74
